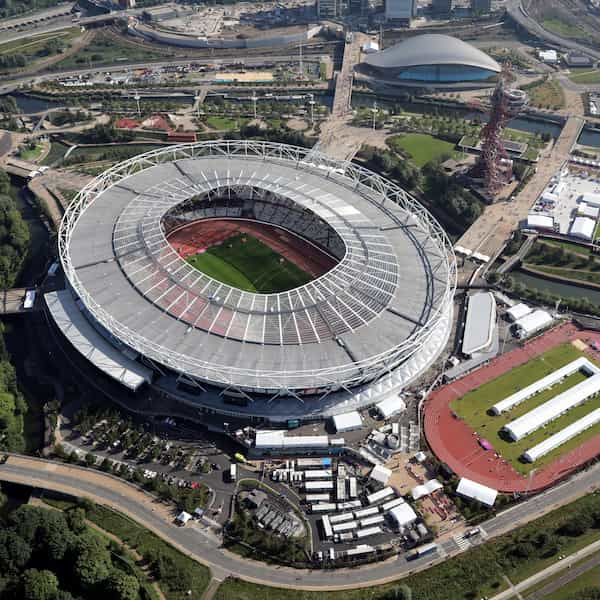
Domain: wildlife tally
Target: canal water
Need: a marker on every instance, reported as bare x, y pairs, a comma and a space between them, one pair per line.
590, 137
563, 290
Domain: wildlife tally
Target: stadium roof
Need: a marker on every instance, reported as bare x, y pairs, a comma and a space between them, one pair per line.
371, 312
476, 491
77, 329
432, 49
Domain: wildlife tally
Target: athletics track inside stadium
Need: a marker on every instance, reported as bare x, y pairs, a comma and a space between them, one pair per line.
197, 237
456, 444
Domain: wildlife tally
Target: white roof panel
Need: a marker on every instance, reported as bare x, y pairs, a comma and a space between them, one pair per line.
476, 491
391, 405
347, 421
403, 514
99, 351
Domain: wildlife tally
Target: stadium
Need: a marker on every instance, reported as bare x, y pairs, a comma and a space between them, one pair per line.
254, 279
431, 60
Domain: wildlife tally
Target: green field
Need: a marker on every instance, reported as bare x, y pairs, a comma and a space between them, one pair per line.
225, 123
473, 407
244, 262
547, 94
592, 76
422, 148
564, 29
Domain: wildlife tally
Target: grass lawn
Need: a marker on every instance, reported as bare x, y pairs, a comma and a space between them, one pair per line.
473, 407
548, 94
575, 273
247, 264
590, 76
568, 246
31, 153
85, 154
564, 29
225, 123
422, 148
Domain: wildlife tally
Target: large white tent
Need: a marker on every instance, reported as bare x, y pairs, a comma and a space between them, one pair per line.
547, 412
562, 436
534, 321
390, 406
403, 515
427, 488
381, 474
579, 364
347, 421
476, 491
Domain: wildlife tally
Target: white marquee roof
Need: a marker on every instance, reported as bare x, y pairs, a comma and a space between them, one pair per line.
476, 491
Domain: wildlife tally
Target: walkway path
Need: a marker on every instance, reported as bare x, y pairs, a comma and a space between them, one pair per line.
491, 230
563, 565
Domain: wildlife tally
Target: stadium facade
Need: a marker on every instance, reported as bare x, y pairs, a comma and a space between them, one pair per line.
430, 60
144, 316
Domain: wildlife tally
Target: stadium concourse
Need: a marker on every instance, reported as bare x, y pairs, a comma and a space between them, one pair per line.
201, 235
456, 444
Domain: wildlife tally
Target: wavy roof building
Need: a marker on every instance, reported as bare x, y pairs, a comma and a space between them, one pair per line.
431, 59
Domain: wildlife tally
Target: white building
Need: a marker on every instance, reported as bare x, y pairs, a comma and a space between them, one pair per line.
380, 474
537, 221
549, 57
391, 405
476, 491
518, 311
347, 421
554, 408
403, 515
534, 321
583, 228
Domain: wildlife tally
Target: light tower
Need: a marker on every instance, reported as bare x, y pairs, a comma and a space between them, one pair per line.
494, 164
374, 110
137, 100
254, 101
311, 102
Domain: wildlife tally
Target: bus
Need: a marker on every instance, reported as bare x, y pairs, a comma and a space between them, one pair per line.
232, 472
422, 551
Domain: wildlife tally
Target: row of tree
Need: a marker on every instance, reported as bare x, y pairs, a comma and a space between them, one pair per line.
48, 555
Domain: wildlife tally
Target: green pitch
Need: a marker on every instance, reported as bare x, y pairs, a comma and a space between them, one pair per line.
246, 263
473, 407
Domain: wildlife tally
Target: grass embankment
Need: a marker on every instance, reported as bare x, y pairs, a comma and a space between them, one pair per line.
564, 29
225, 123
588, 579
473, 407
564, 260
246, 263
585, 77
56, 153
175, 572
547, 94
476, 573
105, 50
422, 148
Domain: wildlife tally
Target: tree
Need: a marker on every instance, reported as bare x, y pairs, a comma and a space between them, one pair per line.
123, 586
15, 552
92, 563
76, 519
39, 585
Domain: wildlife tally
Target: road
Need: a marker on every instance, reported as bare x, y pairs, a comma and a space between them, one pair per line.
205, 548
556, 567
516, 12
26, 80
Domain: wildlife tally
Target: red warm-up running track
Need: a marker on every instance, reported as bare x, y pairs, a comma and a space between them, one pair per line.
456, 444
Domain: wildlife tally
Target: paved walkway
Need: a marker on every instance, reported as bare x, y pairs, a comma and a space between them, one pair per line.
558, 566
491, 230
